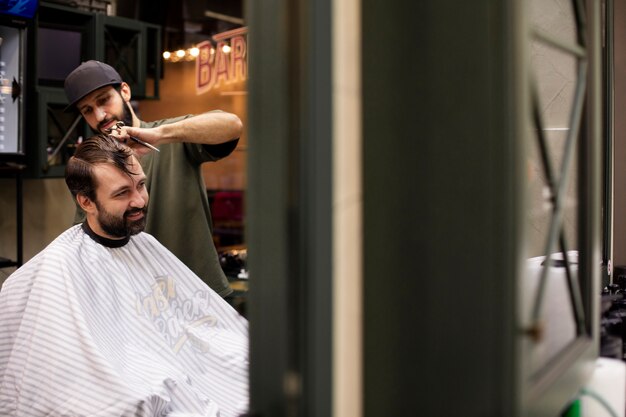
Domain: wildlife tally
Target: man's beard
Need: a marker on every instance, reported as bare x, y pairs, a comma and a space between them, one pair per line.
121, 227
126, 117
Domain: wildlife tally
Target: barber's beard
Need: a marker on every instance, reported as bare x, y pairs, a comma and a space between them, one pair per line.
120, 226
126, 117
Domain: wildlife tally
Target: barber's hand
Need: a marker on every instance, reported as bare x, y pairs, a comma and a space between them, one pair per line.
149, 137
133, 137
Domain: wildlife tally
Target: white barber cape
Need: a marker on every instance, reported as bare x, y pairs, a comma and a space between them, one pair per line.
87, 329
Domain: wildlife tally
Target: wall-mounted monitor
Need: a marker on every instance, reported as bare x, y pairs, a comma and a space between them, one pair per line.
20, 8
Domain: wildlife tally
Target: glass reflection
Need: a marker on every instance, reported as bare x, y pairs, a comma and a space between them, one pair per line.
551, 300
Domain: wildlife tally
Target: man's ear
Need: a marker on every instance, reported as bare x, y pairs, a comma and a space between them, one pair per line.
125, 91
85, 203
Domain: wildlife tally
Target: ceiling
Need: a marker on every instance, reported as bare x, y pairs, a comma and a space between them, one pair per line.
185, 22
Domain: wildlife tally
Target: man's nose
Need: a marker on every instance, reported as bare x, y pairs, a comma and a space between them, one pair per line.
100, 114
138, 200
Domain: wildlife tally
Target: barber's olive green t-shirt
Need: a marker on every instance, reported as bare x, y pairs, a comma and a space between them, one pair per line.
179, 215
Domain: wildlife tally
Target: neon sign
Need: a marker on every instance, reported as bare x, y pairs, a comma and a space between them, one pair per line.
222, 64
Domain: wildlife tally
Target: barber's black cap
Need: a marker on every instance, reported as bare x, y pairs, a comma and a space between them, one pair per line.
88, 77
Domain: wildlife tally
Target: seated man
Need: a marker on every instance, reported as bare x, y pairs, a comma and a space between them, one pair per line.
105, 321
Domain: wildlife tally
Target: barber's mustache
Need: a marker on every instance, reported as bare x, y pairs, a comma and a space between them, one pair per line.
104, 123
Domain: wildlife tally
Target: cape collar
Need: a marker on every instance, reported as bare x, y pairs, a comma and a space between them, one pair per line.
104, 241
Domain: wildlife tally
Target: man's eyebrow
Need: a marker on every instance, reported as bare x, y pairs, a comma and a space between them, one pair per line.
115, 191
97, 97
119, 189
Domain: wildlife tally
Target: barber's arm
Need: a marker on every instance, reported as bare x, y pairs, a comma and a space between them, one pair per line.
211, 128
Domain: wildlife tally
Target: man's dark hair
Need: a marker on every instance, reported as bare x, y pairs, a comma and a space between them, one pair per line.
99, 149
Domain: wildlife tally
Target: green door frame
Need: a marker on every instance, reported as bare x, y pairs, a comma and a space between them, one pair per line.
289, 207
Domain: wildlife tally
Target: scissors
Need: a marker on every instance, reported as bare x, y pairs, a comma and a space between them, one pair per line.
118, 127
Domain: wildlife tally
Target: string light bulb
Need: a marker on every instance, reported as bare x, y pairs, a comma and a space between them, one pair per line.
189, 54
